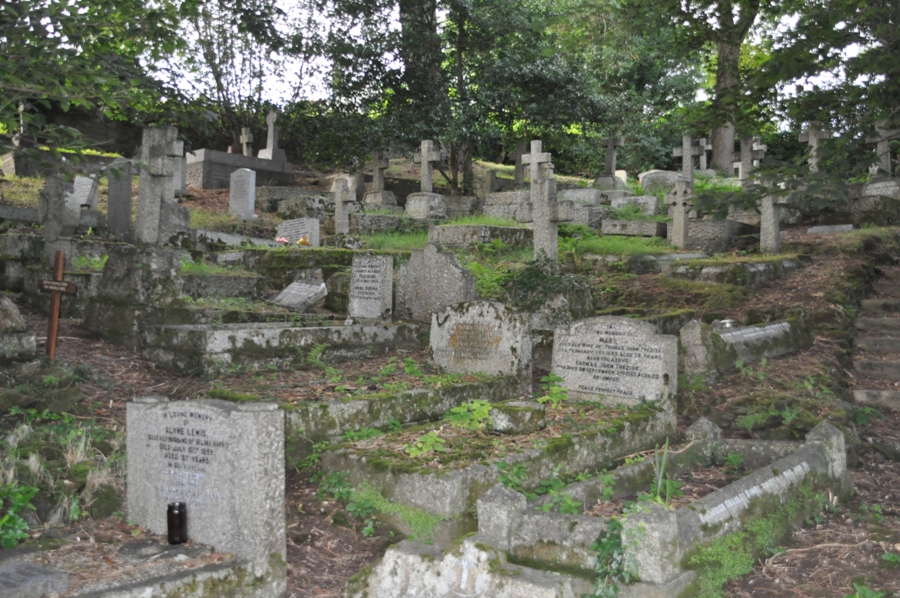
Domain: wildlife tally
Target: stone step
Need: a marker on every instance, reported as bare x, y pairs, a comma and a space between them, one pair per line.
887, 288
883, 325
879, 344
881, 306
883, 399
886, 370
891, 274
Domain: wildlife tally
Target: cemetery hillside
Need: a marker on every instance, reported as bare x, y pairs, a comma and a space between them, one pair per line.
442, 298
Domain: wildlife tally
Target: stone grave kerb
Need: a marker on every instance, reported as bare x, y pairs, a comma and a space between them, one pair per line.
687, 152
426, 157
341, 215
246, 141
883, 146
543, 201
813, 135
379, 165
612, 148
680, 205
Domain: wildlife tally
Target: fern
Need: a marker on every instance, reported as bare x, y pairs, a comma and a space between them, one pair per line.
315, 354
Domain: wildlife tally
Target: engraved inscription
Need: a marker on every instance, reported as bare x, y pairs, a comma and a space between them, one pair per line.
367, 281
473, 341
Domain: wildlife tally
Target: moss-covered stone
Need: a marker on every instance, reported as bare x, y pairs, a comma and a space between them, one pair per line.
107, 501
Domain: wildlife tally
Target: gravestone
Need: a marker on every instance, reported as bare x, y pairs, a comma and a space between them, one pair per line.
543, 202
813, 135
687, 152
705, 146
272, 152
426, 157
426, 206
649, 204
341, 214
27, 580
750, 155
85, 193
371, 287
830, 229
622, 359
224, 460
59, 217
680, 206
179, 163
431, 281
156, 184
883, 147
379, 196
519, 172
356, 183
242, 194
654, 181
300, 228
609, 181
246, 141
300, 296
118, 177
770, 225
482, 337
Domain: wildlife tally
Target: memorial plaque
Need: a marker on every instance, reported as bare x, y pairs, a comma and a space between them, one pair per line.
618, 358
300, 228
372, 287
60, 286
224, 460
27, 580
482, 337
301, 295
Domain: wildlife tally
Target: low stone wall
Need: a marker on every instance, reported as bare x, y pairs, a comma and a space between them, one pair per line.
639, 264
213, 286
368, 224
464, 235
748, 274
634, 228
281, 268
714, 236
71, 306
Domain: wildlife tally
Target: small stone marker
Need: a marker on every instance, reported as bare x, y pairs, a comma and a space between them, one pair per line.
85, 193
427, 156
300, 296
883, 146
299, 229
430, 281
27, 580
272, 152
680, 206
372, 287
118, 176
341, 215
813, 136
246, 141
225, 460
658, 180
482, 337
543, 202
242, 194
56, 288
770, 224
620, 358
687, 152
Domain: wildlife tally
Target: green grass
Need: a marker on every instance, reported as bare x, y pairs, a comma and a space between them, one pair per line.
20, 191
204, 269
482, 220
404, 241
210, 221
618, 245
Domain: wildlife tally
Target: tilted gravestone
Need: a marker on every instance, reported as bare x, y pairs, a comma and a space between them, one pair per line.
27, 580
158, 216
85, 192
242, 194
119, 197
482, 337
224, 460
372, 287
620, 359
300, 296
300, 228
430, 281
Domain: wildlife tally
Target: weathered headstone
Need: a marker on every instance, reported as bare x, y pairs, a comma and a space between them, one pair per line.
371, 287
59, 217
179, 165
224, 460
543, 202
430, 281
27, 580
883, 146
272, 152
157, 184
622, 359
705, 146
300, 228
300, 296
85, 193
118, 176
687, 152
612, 147
482, 337
658, 180
519, 172
426, 157
246, 141
770, 224
813, 135
680, 206
356, 183
16, 341
425, 206
242, 194
832, 229
379, 196
341, 214
649, 204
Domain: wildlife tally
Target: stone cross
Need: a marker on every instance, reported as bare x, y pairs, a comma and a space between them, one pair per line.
272, 152
812, 136
706, 146
56, 288
157, 184
686, 152
612, 147
426, 157
543, 202
519, 173
770, 224
246, 140
341, 217
379, 165
883, 145
680, 206
752, 151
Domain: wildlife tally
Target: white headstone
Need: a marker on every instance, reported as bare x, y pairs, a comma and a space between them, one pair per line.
242, 194
372, 287
272, 152
300, 296
299, 229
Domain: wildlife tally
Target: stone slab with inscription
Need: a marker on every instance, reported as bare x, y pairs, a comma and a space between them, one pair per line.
224, 460
298, 228
301, 296
27, 580
372, 287
482, 337
620, 359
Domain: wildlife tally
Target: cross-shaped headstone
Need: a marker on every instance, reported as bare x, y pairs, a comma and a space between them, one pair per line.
812, 136
883, 145
706, 146
246, 140
427, 156
56, 288
543, 202
519, 173
612, 147
680, 207
752, 151
379, 165
687, 151
341, 216
272, 152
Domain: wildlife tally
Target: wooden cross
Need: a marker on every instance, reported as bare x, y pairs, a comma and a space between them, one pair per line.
612, 146
812, 136
246, 140
883, 145
56, 288
686, 152
379, 165
426, 157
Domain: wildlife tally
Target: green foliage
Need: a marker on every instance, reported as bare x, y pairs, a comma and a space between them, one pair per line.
83, 262
512, 476
734, 461
315, 356
361, 509
473, 415
556, 394
539, 280
613, 567
489, 280
337, 484
426, 444
314, 457
411, 367
663, 488
891, 557
390, 369
725, 558
361, 434
863, 416
14, 499
420, 522
862, 591
397, 242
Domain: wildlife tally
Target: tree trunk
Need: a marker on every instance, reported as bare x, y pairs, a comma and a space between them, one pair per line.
725, 102
420, 51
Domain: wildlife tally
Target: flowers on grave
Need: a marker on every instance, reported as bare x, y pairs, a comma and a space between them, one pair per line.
303, 241
280, 240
